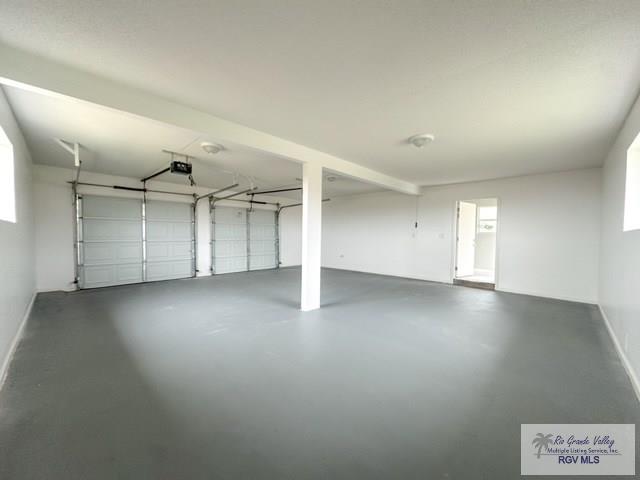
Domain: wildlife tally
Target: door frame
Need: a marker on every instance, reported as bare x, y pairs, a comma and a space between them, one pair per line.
454, 237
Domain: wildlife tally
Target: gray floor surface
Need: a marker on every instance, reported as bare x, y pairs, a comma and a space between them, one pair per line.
224, 377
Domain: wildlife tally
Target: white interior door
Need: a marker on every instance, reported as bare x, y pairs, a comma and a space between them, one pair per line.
169, 240
111, 248
466, 239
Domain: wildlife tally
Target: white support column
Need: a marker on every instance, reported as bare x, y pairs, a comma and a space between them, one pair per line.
311, 235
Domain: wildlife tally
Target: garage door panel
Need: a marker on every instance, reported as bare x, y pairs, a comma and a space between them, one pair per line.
262, 262
169, 211
169, 240
263, 232
167, 251
104, 230
168, 270
262, 247
227, 248
181, 250
107, 275
230, 215
94, 206
262, 244
157, 231
169, 231
112, 252
181, 232
262, 217
231, 232
111, 248
98, 253
231, 265
229, 240
238, 232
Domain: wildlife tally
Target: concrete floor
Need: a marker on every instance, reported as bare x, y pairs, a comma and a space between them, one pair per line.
224, 378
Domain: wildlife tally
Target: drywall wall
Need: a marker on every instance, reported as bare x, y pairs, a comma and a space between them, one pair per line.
620, 252
291, 236
54, 220
548, 233
17, 274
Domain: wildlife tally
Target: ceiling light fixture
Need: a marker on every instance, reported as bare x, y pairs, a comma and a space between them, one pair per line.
421, 140
211, 148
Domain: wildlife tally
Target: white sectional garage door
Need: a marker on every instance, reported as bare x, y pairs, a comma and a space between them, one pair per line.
243, 240
120, 245
169, 240
111, 248
262, 239
229, 239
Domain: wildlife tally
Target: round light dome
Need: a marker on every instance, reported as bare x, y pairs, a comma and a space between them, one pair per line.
211, 148
421, 140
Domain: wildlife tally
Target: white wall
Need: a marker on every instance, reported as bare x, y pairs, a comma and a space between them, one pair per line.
291, 236
548, 237
54, 229
17, 278
620, 251
54, 220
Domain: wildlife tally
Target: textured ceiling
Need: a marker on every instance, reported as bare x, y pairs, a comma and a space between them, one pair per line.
508, 87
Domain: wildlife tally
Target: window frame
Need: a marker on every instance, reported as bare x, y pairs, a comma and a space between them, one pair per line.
7, 179
631, 216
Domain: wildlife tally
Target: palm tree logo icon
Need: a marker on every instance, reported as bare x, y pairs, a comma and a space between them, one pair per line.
542, 441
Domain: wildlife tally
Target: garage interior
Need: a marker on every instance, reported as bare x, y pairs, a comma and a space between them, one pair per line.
302, 244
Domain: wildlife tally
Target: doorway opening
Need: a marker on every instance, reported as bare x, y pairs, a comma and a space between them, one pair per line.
476, 235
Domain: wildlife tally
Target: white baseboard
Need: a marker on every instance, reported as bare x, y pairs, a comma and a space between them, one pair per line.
47, 290
621, 353
386, 274
14, 343
589, 301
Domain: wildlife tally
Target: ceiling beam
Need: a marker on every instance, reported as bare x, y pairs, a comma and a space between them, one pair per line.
25, 70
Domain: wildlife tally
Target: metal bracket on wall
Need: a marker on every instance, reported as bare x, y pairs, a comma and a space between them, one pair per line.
78, 237
277, 237
212, 233
144, 235
248, 223
194, 236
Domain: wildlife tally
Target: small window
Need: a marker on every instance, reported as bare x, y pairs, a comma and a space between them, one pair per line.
632, 191
7, 181
488, 213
